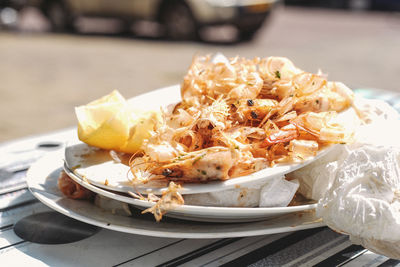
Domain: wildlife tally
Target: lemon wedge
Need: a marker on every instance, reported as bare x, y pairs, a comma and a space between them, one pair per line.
110, 123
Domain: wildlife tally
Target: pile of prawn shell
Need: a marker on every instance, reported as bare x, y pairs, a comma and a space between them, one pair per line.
238, 116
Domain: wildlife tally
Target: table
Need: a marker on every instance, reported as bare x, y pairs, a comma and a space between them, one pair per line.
318, 246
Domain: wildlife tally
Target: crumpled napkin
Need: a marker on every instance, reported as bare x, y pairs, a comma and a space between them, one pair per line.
276, 192
358, 185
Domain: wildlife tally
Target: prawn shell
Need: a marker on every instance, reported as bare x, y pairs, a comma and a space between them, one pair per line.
71, 189
308, 83
281, 136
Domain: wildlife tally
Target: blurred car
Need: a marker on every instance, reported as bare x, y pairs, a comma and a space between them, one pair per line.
181, 19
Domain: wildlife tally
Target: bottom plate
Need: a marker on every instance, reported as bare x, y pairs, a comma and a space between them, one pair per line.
42, 182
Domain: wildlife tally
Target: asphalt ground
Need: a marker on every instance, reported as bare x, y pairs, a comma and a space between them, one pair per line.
43, 76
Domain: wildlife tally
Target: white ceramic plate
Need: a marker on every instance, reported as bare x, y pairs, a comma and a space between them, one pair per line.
42, 182
99, 166
198, 213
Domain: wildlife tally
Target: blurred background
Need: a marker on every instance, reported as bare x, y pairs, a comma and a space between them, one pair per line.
58, 54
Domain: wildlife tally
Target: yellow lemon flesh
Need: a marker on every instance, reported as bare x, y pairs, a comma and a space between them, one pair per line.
110, 123
141, 131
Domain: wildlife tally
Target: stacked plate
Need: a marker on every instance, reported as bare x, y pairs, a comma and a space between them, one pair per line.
100, 173
97, 171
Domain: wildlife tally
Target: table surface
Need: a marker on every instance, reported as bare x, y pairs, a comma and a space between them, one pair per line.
319, 246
